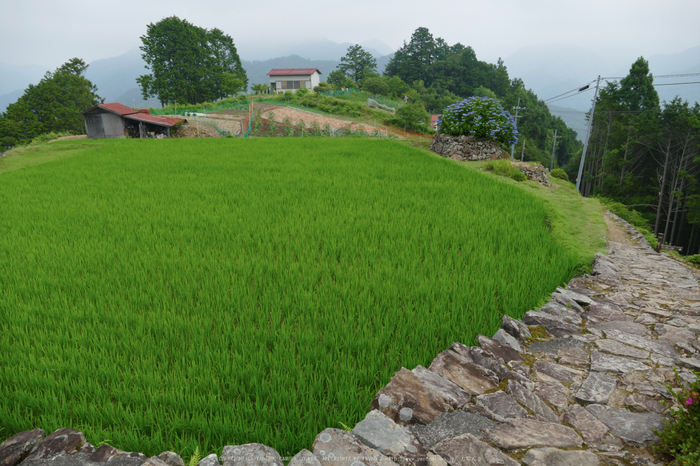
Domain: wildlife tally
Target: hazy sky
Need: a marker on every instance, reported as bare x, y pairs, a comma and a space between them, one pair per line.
49, 32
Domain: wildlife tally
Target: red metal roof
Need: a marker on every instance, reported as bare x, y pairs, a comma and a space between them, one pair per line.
154, 120
118, 108
293, 72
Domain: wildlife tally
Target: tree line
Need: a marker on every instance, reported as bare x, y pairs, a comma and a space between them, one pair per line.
646, 155
430, 73
52, 105
188, 64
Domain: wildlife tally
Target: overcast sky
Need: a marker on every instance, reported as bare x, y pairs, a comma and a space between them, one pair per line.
49, 32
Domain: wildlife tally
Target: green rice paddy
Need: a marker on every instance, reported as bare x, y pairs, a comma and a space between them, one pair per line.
167, 295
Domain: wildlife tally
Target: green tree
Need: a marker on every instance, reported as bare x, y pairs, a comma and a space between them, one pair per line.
260, 88
54, 104
376, 85
189, 63
323, 86
412, 117
337, 79
357, 64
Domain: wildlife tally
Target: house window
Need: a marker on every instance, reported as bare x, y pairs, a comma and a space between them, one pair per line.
293, 84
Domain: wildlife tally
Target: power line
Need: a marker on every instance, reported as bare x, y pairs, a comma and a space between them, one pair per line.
552, 100
577, 89
662, 76
677, 84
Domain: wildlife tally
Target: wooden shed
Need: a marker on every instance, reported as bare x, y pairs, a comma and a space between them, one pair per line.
119, 121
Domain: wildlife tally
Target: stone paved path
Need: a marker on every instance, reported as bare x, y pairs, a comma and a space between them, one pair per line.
578, 382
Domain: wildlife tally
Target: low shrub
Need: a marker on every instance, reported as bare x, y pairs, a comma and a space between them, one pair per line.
681, 435
46, 137
505, 168
559, 173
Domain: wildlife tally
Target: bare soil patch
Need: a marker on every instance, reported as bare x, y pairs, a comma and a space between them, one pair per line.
296, 115
189, 130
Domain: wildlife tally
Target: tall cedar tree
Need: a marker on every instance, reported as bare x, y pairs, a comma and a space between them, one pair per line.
357, 64
189, 64
53, 105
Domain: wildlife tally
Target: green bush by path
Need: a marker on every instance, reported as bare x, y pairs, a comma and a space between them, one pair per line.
174, 294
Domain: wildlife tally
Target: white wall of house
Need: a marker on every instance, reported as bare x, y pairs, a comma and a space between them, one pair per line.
294, 83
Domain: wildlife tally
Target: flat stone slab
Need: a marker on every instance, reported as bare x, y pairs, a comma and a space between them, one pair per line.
553, 346
655, 346
478, 356
17, 447
554, 457
552, 372
449, 425
527, 433
60, 441
644, 403
590, 428
623, 326
213, 460
501, 406
460, 370
620, 349
603, 362
171, 458
516, 328
531, 401
637, 428
419, 396
562, 312
304, 458
250, 454
597, 388
553, 393
467, 450
689, 363
498, 350
335, 447
674, 334
507, 339
579, 298
384, 435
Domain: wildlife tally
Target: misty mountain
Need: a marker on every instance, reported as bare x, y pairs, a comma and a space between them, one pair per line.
553, 69
319, 49
115, 77
574, 119
18, 77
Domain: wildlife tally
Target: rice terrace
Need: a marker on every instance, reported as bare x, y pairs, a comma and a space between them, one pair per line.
182, 294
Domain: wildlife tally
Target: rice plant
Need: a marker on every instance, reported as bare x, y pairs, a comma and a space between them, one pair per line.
189, 294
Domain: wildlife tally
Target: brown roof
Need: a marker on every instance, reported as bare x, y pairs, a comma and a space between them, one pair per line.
293, 71
118, 108
154, 120
131, 114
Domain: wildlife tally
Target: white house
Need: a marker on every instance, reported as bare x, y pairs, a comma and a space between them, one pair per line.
292, 79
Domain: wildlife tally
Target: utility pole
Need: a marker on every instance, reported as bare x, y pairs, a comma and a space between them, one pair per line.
554, 144
588, 134
512, 148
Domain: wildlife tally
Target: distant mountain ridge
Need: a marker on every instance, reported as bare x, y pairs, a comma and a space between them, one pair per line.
115, 77
553, 69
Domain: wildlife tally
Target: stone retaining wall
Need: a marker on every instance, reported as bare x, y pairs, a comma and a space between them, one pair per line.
579, 381
466, 148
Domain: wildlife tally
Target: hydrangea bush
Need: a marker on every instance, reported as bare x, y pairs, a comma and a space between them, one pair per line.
481, 117
681, 436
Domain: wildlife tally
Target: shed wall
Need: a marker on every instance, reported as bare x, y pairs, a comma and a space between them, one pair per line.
113, 125
93, 126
